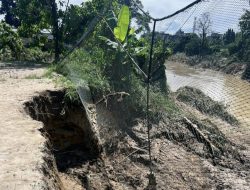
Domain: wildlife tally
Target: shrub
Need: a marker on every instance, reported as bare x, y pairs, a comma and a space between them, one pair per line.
193, 47
35, 55
233, 48
80, 68
10, 41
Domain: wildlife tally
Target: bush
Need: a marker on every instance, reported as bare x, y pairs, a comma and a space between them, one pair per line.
193, 47
224, 52
10, 42
233, 48
35, 55
80, 68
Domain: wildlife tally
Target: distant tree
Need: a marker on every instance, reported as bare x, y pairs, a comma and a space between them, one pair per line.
38, 15
245, 29
216, 39
180, 33
203, 27
245, 24
229, 36
193, 46
7, 8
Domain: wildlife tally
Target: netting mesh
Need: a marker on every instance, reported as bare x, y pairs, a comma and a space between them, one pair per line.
223, 15
215, 109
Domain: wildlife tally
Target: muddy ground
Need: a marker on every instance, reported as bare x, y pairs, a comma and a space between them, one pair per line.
49, 144
217, 63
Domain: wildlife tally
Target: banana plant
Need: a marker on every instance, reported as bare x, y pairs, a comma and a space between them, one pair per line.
121, 30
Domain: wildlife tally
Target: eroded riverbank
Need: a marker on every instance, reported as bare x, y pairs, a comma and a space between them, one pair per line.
184, 156
228, 89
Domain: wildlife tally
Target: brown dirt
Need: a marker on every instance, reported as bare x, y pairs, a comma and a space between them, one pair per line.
24, 157
213, 62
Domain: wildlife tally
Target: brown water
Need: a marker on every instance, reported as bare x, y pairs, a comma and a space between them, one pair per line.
228, 89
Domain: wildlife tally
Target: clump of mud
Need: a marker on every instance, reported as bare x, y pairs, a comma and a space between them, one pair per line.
197, 99
69, 133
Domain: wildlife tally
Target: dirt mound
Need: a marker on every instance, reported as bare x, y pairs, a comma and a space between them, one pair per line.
197, 99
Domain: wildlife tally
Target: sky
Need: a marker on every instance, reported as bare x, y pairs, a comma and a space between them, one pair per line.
157, 8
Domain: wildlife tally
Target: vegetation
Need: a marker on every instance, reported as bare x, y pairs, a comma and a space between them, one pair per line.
10, 42
7, 8
106, 60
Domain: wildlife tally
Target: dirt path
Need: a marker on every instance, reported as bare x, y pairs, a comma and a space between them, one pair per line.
21, 144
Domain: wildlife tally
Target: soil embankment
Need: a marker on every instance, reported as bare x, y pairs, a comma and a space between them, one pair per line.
87, 146
214, 62
229, 90
123, 162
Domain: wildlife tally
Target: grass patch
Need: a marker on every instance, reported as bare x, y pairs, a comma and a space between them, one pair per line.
33, 76
82, 68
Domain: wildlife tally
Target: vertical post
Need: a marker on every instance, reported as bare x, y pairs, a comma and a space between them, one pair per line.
55, 30
148, 88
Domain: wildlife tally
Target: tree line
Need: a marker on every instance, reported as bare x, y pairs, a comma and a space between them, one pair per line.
202, 41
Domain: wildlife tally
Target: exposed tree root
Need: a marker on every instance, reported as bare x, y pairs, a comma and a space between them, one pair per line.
105, 98
199, 135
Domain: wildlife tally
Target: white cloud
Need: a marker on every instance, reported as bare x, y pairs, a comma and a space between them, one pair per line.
163, 8
157, 8
76, 2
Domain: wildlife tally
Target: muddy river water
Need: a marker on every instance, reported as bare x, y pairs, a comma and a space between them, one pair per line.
228, 89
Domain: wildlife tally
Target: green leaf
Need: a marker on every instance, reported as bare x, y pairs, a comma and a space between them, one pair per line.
132, 31
123, 23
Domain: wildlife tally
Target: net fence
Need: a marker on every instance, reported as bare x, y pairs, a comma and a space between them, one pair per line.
222, 15
183, 82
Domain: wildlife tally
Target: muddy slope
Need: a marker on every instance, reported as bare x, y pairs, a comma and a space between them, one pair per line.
225, 65
188, 152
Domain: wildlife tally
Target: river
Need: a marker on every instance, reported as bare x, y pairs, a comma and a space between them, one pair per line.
228, 89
